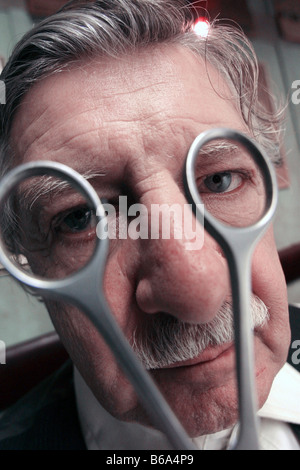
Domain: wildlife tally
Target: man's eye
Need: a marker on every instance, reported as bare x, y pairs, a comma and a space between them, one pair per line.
77, 221
221, 182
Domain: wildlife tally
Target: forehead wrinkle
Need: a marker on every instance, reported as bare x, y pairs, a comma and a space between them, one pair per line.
43, 131
134, 91
147, 115
67, 126
118, 122
179, 132
53, 86
19, 141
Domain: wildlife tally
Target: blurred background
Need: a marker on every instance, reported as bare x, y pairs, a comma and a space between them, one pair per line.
273, 26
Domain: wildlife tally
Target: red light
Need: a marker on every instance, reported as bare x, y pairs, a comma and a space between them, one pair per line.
201, 27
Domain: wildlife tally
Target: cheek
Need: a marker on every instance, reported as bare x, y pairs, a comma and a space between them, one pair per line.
269, 284
267, 275
239, 209
120, 282
88, 350
93, 359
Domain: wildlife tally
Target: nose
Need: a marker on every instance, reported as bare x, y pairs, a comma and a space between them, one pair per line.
190, 284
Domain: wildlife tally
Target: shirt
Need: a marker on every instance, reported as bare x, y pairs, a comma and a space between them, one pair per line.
101, 431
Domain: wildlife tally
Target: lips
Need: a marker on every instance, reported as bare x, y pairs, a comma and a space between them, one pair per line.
208, 355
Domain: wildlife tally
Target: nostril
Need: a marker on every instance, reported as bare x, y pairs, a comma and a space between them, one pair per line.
145, 297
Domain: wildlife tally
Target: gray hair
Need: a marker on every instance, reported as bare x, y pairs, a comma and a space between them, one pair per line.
167, 340
111, 28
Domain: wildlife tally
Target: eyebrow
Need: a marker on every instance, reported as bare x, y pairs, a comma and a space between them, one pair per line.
223, 152
50, 187
218, 146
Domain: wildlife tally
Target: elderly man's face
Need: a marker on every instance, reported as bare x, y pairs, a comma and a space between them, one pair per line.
133, 120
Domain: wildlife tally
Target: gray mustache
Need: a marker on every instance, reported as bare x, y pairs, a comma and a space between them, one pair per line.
168, 340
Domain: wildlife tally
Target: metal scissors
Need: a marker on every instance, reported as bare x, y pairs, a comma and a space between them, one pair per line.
238, 244
84, 288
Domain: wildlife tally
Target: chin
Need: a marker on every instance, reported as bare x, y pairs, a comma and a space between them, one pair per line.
203, 410
195, 424
200, 414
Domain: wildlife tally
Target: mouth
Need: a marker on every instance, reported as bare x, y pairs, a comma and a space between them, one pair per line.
208, 355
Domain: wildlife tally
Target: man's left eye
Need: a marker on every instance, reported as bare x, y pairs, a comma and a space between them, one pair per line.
221, 182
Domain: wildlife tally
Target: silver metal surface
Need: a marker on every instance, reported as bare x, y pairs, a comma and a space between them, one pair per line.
238, 244
84, 289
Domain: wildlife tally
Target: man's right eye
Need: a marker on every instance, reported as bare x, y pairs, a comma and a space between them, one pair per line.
76, 221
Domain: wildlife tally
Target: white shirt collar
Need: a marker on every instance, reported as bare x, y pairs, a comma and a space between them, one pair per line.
104, 432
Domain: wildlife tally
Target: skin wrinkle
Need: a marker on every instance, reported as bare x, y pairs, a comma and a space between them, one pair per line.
59, 147
145, 278
39, 139
120, 78
72, 139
